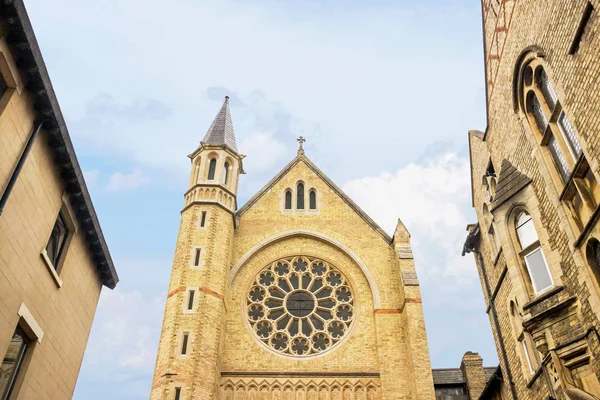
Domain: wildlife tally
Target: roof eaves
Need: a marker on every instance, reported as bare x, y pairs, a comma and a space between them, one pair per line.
28, 54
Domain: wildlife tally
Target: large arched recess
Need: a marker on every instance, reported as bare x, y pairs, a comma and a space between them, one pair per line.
312, 234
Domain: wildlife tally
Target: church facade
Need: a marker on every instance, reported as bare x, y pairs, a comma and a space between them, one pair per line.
535, 172
298, 294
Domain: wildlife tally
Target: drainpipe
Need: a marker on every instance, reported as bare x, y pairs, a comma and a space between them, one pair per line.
469, 247
17, 169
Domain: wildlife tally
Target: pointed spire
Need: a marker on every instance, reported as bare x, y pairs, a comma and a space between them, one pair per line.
221, 130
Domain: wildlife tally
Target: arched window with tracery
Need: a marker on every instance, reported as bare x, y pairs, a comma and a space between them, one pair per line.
300, 196
548, 119
312, 199
288, 199
532, 253
212, 167
226, 173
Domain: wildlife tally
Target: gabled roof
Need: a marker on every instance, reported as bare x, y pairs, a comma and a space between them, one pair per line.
221, 130
510, 181
454, 376
301, 157
22, 40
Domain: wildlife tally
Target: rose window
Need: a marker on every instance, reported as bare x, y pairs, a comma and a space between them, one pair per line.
300, 306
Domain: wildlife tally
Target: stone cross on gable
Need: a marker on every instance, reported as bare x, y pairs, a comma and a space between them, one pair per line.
300, 141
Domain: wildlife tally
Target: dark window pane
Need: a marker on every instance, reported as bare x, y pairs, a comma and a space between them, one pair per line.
184, 344
226, 173
288, 200
538, 114
3, 86
57, 240
300, 197
313, 200
197, 259
191, 300
203, 220
547, 90
177, 393
569, 134
11, 363
559, 158
211, 169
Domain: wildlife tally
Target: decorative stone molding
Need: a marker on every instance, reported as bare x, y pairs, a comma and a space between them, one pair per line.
315, 388
404, 251
317, 235
409, 278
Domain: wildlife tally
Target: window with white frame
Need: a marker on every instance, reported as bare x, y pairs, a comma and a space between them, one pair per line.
532, 253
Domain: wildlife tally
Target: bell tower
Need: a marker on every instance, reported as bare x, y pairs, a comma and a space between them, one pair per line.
187, 364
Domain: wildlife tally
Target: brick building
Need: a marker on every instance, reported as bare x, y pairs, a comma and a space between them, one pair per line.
297, 294
535, 172
53, 257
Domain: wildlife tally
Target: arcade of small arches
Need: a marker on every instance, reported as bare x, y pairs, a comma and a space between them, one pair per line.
335, 389
213, 168
294, 199
210, 194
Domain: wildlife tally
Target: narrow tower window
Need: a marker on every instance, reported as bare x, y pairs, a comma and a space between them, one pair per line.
300, 197
197, 258
312, 199
203, 219
211, 169
226, 173
177, 393
191, 300
184, 344
288, 199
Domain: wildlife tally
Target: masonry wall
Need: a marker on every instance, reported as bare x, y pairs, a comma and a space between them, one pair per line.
65, 313
511, 27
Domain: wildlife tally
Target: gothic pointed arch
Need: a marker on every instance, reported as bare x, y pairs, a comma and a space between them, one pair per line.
317, 235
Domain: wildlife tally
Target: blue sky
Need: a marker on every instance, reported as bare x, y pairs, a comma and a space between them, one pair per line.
384, 91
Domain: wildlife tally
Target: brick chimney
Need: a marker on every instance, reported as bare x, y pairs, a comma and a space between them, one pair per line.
472, 369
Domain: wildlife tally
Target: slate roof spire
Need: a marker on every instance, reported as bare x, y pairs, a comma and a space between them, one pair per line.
221, 130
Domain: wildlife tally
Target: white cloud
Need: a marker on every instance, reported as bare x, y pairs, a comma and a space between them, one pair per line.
119, 182
266, 152
430, 198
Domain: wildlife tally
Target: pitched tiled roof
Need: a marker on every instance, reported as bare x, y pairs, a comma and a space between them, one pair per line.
454, 376
221, 130
510, 181
447, 376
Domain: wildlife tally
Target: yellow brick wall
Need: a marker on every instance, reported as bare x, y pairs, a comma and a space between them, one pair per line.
64, 314
385, 354
551, 26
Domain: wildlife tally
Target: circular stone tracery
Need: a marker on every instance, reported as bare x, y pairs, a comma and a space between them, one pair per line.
300, 306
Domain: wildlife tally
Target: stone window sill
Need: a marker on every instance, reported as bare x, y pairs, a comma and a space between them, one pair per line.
51, 269
551, 291
536, 374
